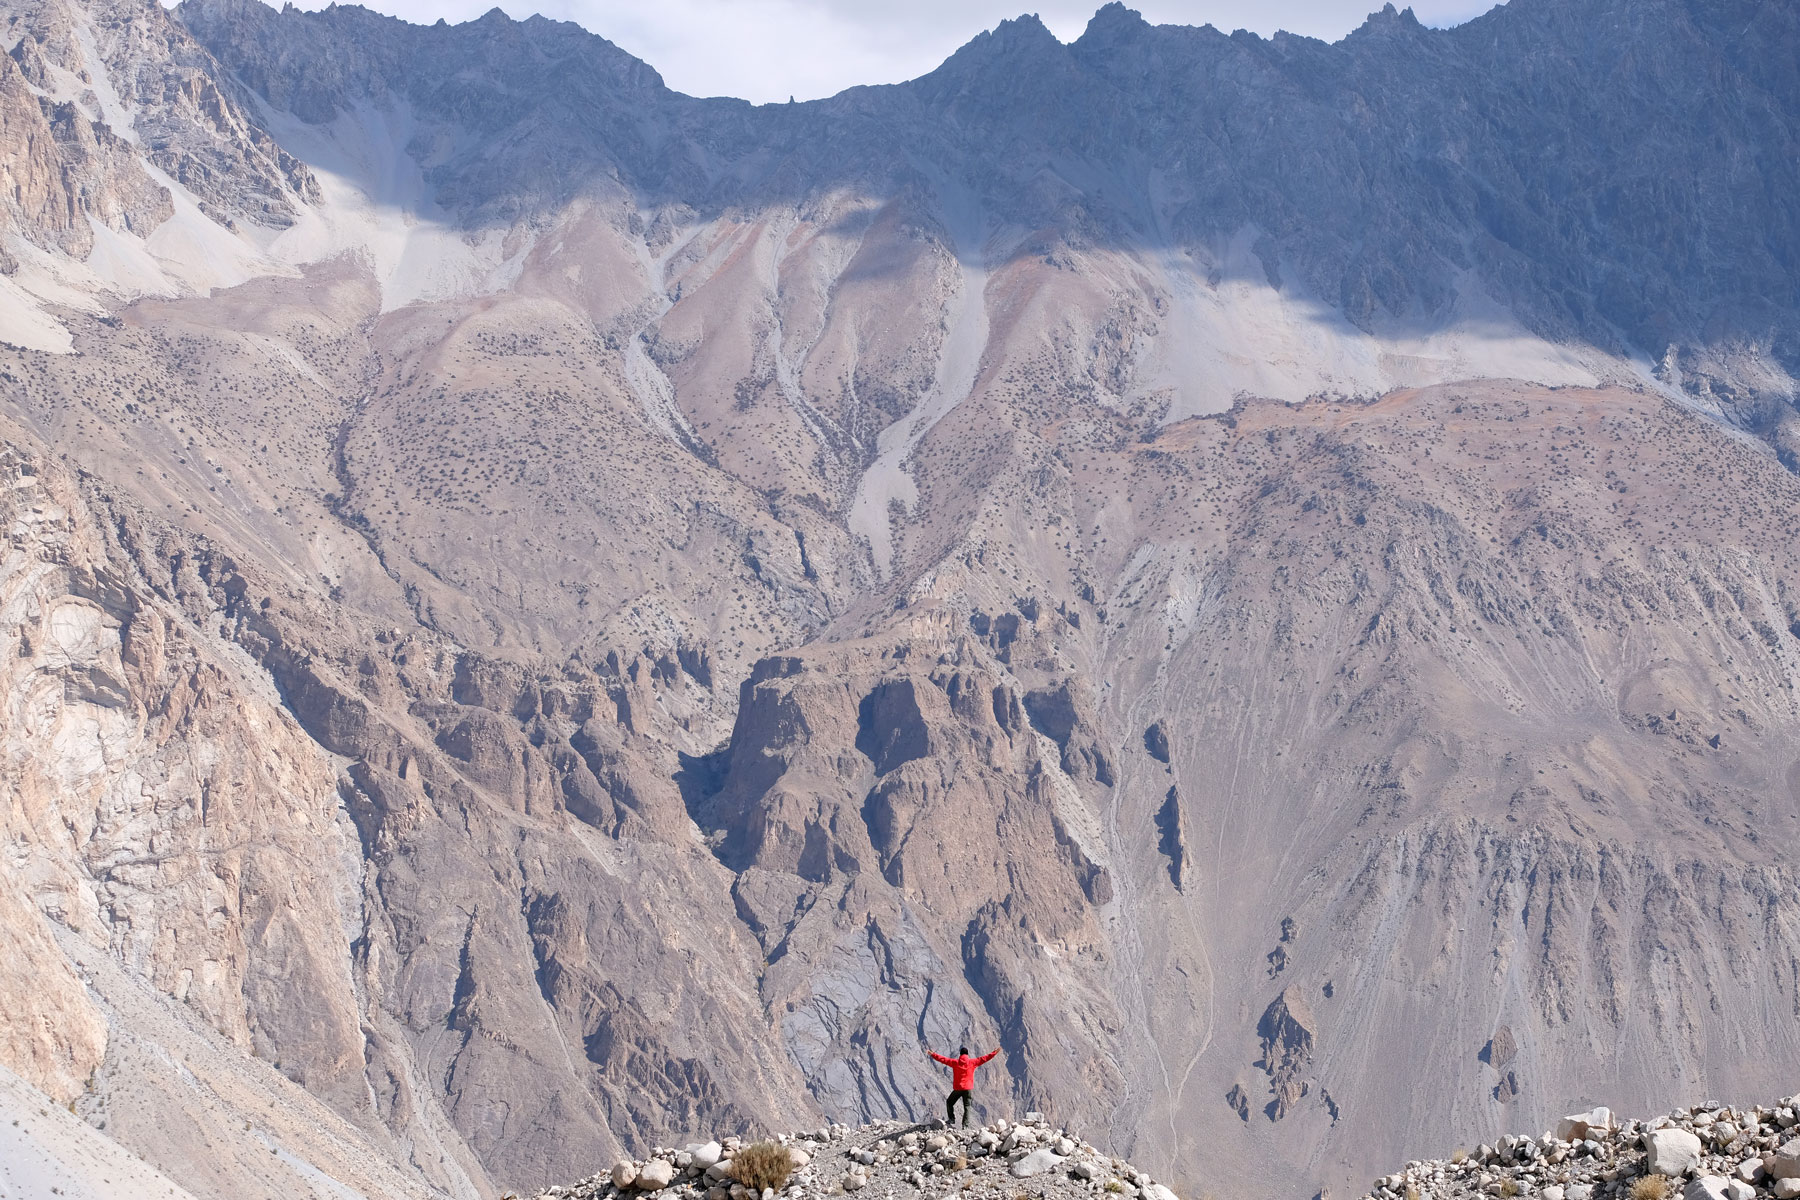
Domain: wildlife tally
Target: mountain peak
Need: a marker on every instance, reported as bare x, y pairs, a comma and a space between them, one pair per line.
1114, 24
1389, 21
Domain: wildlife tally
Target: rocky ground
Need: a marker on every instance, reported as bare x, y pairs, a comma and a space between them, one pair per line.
1709, 1152
1026, 1158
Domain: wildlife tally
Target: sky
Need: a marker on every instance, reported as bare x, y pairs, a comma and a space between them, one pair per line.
768, 50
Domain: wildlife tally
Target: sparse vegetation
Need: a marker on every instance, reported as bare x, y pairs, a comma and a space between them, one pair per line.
1652, 1187
1509, 1187
762, 1165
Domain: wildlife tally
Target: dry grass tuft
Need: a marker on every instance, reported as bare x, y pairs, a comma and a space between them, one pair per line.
762, 1165
1652, 1187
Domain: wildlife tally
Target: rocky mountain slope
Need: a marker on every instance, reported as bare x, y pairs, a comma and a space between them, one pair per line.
548, 618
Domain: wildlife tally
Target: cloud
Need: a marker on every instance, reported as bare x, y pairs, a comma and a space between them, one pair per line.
767, 50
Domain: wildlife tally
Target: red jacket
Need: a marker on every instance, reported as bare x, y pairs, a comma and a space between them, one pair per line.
962, 1068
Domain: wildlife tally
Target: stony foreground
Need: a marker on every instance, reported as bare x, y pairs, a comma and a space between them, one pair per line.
891, 1158
1710, 1152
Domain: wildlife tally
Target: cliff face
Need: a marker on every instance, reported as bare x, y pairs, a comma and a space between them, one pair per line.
574, 641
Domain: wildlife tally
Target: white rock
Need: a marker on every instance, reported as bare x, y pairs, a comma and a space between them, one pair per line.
1157, 1191
1787, 1189
1786, 1161
853, 1181
1737, 1189
1553, 1192
705, 1154
1089, 1170
1672, 1152
1575, 1128
1036, 1163
624, 1174
720, 1170
1579, 1191
1706, 1187
1751, 1170
1064, 1147
1034, 1118
656, 1174
799, 1157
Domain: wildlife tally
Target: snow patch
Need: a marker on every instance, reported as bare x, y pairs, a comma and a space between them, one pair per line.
377, 204
1230, 334
646, 380
959, 365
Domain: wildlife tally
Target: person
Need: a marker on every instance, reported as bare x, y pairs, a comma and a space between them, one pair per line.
962, 1081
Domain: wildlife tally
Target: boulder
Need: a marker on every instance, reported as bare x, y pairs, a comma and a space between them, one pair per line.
1156, 1191
799, 1157
1672, 1152
854, 1181
1575, 1128
1785, 1162
1579, 1191
705, 1154
1037, 1162
1089, 1171
1751, 1170
655, 1175
1737, 1189
1787, 1189
1553, 1192
1706, 1187
624, 1174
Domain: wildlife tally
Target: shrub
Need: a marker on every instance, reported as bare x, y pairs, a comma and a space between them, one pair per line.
1652, 1187
1509, 1187
1459, 1155
762, 1165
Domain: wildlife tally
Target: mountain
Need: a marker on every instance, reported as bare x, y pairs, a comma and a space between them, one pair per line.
548, 617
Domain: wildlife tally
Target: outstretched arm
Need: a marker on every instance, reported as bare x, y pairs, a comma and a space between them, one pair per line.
987, 1056
946, 1061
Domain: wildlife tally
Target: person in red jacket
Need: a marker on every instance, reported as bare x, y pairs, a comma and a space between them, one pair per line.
962, 1081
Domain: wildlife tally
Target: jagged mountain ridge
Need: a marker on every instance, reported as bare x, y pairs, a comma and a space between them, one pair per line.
1368, 182
675, 654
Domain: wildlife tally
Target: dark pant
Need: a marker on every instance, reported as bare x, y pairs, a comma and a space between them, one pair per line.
950, 1107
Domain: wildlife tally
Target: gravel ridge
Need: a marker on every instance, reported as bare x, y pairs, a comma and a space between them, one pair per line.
1708, 1152
1001, 1160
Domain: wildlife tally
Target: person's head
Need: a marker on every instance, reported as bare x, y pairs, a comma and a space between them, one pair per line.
963, 1050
